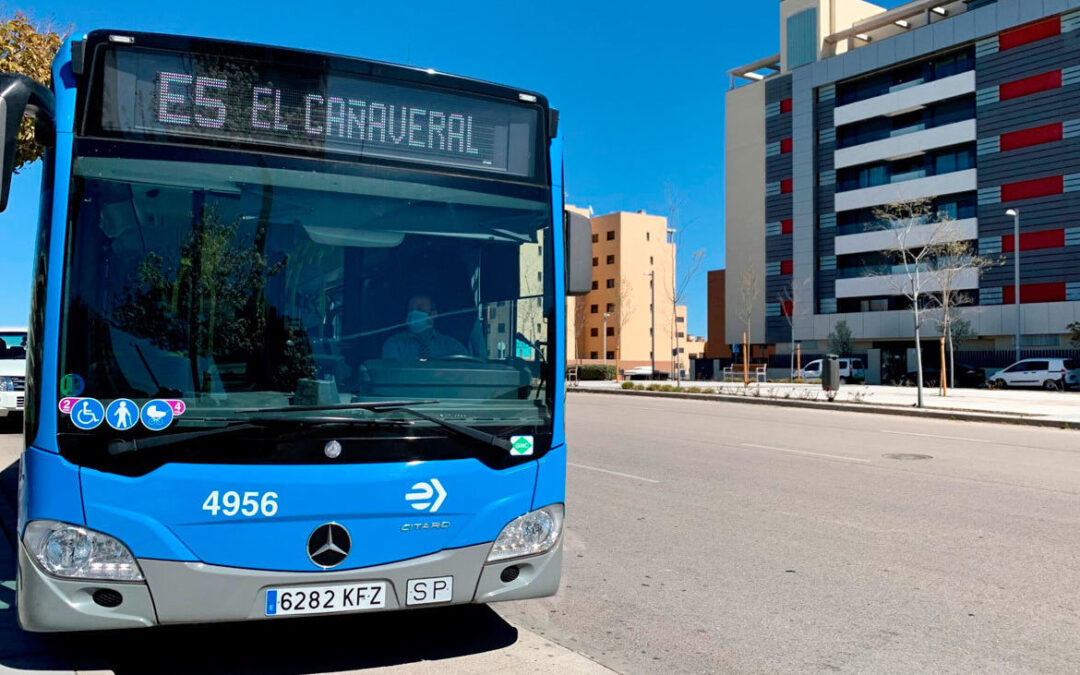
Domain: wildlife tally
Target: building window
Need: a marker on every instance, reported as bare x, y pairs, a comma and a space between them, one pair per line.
680, 319
502, 327
611, 235
682, 335
646, 236
595, 285
611, 283
594, 309
595, 238
611, 354
611, 331
595, 262
593, 355
594, 332
611, 260
539, 250
610, 307
681, 350
539, 276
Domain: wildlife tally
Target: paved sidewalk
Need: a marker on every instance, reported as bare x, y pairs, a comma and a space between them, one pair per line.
1030, 406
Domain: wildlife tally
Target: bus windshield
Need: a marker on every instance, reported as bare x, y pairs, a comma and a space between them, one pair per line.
235, 287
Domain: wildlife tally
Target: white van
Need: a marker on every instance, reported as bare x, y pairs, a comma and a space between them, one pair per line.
12, 370
851, 370
1049, 374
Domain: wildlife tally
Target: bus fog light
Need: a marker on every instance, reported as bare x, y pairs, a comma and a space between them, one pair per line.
76, 552
533, 533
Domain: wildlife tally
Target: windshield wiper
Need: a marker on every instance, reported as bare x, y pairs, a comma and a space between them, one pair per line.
376, 406
461, 430
232, 426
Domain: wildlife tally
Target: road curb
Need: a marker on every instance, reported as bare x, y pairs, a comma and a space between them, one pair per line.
880, 409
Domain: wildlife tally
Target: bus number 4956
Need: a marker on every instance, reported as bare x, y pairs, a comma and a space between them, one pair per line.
231, 503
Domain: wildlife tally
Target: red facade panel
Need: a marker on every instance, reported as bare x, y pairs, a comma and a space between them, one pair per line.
785, 105
787, 226
786, 267
1030, 189
1032, 241
1032, 32
786, 186
1030, 85
1052, 292
785, 146
1028, 137
786, 308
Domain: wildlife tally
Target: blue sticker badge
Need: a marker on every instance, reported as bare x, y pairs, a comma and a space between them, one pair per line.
156, 415
122, 414
87, 414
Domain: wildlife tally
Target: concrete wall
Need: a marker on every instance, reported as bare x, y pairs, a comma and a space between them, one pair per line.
744, 211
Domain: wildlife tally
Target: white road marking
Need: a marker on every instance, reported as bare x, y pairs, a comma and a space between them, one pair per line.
805, 452
947, 438
613, 473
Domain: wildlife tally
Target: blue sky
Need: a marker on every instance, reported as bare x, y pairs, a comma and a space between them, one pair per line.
640, 85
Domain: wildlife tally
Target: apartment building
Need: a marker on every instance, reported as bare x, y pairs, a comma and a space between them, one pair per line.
971, 105
630, 311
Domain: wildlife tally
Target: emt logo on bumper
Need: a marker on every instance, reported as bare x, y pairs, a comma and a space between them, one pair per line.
423, 492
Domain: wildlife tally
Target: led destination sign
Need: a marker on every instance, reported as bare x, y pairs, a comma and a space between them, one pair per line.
166, 95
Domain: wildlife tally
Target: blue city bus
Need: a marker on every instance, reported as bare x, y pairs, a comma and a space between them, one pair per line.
297, 336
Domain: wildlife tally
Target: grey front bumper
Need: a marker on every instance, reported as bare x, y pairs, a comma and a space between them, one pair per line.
182, 592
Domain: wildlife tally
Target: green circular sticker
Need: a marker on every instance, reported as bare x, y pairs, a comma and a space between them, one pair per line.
72, 385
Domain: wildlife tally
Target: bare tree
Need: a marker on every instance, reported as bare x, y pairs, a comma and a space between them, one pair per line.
675, 200
749, 290
624, 309
792, 306
919, 238
956, 261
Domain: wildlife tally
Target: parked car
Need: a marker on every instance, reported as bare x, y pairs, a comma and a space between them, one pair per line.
1049, 374
644, 373
966, 376
851, 370
12, 370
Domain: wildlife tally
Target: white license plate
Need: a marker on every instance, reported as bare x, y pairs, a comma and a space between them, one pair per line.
429, 591
325, 599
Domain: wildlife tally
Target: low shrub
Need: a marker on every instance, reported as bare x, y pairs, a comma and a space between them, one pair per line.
639, 387
628, 385
594, 372
693, 390
653, 387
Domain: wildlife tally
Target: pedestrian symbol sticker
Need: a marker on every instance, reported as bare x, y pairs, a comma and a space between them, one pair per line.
122, 414
521, 445
87, 414
72, 385
156, 415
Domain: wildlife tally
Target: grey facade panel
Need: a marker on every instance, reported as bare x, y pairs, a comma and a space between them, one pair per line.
1038, 214
778, 128
1047, 159
777, 88
1029, 111
1048, 265
1027, 60
778, 207
778, 168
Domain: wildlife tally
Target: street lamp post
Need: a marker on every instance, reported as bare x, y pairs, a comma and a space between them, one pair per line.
652, 320
1015, 213
606, 315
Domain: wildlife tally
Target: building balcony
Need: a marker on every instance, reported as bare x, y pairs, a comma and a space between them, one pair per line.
920, 235
905, 99
906, 144
894, 282
907, 190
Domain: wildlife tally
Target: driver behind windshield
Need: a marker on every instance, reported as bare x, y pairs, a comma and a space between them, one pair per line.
420, 340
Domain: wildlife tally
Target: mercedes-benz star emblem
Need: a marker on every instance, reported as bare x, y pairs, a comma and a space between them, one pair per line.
332, 449
329, 545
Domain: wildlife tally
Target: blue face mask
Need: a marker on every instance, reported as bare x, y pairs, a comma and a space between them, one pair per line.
418, 321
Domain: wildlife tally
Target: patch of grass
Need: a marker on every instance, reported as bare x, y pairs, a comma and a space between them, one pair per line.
693, 390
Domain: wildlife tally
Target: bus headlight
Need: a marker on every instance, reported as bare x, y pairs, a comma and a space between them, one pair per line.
531, 534
78, 553
6, 383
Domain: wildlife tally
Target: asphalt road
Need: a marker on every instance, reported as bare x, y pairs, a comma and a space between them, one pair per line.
725, 537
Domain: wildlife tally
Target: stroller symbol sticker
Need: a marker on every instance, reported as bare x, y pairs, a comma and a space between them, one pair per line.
87, 414
122, 414
156, 415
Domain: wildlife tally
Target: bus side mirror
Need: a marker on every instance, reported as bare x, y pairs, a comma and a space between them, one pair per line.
578, 254
19, 96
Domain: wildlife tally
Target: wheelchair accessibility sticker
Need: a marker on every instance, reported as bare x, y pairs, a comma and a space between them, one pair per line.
88, 413
156, 414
